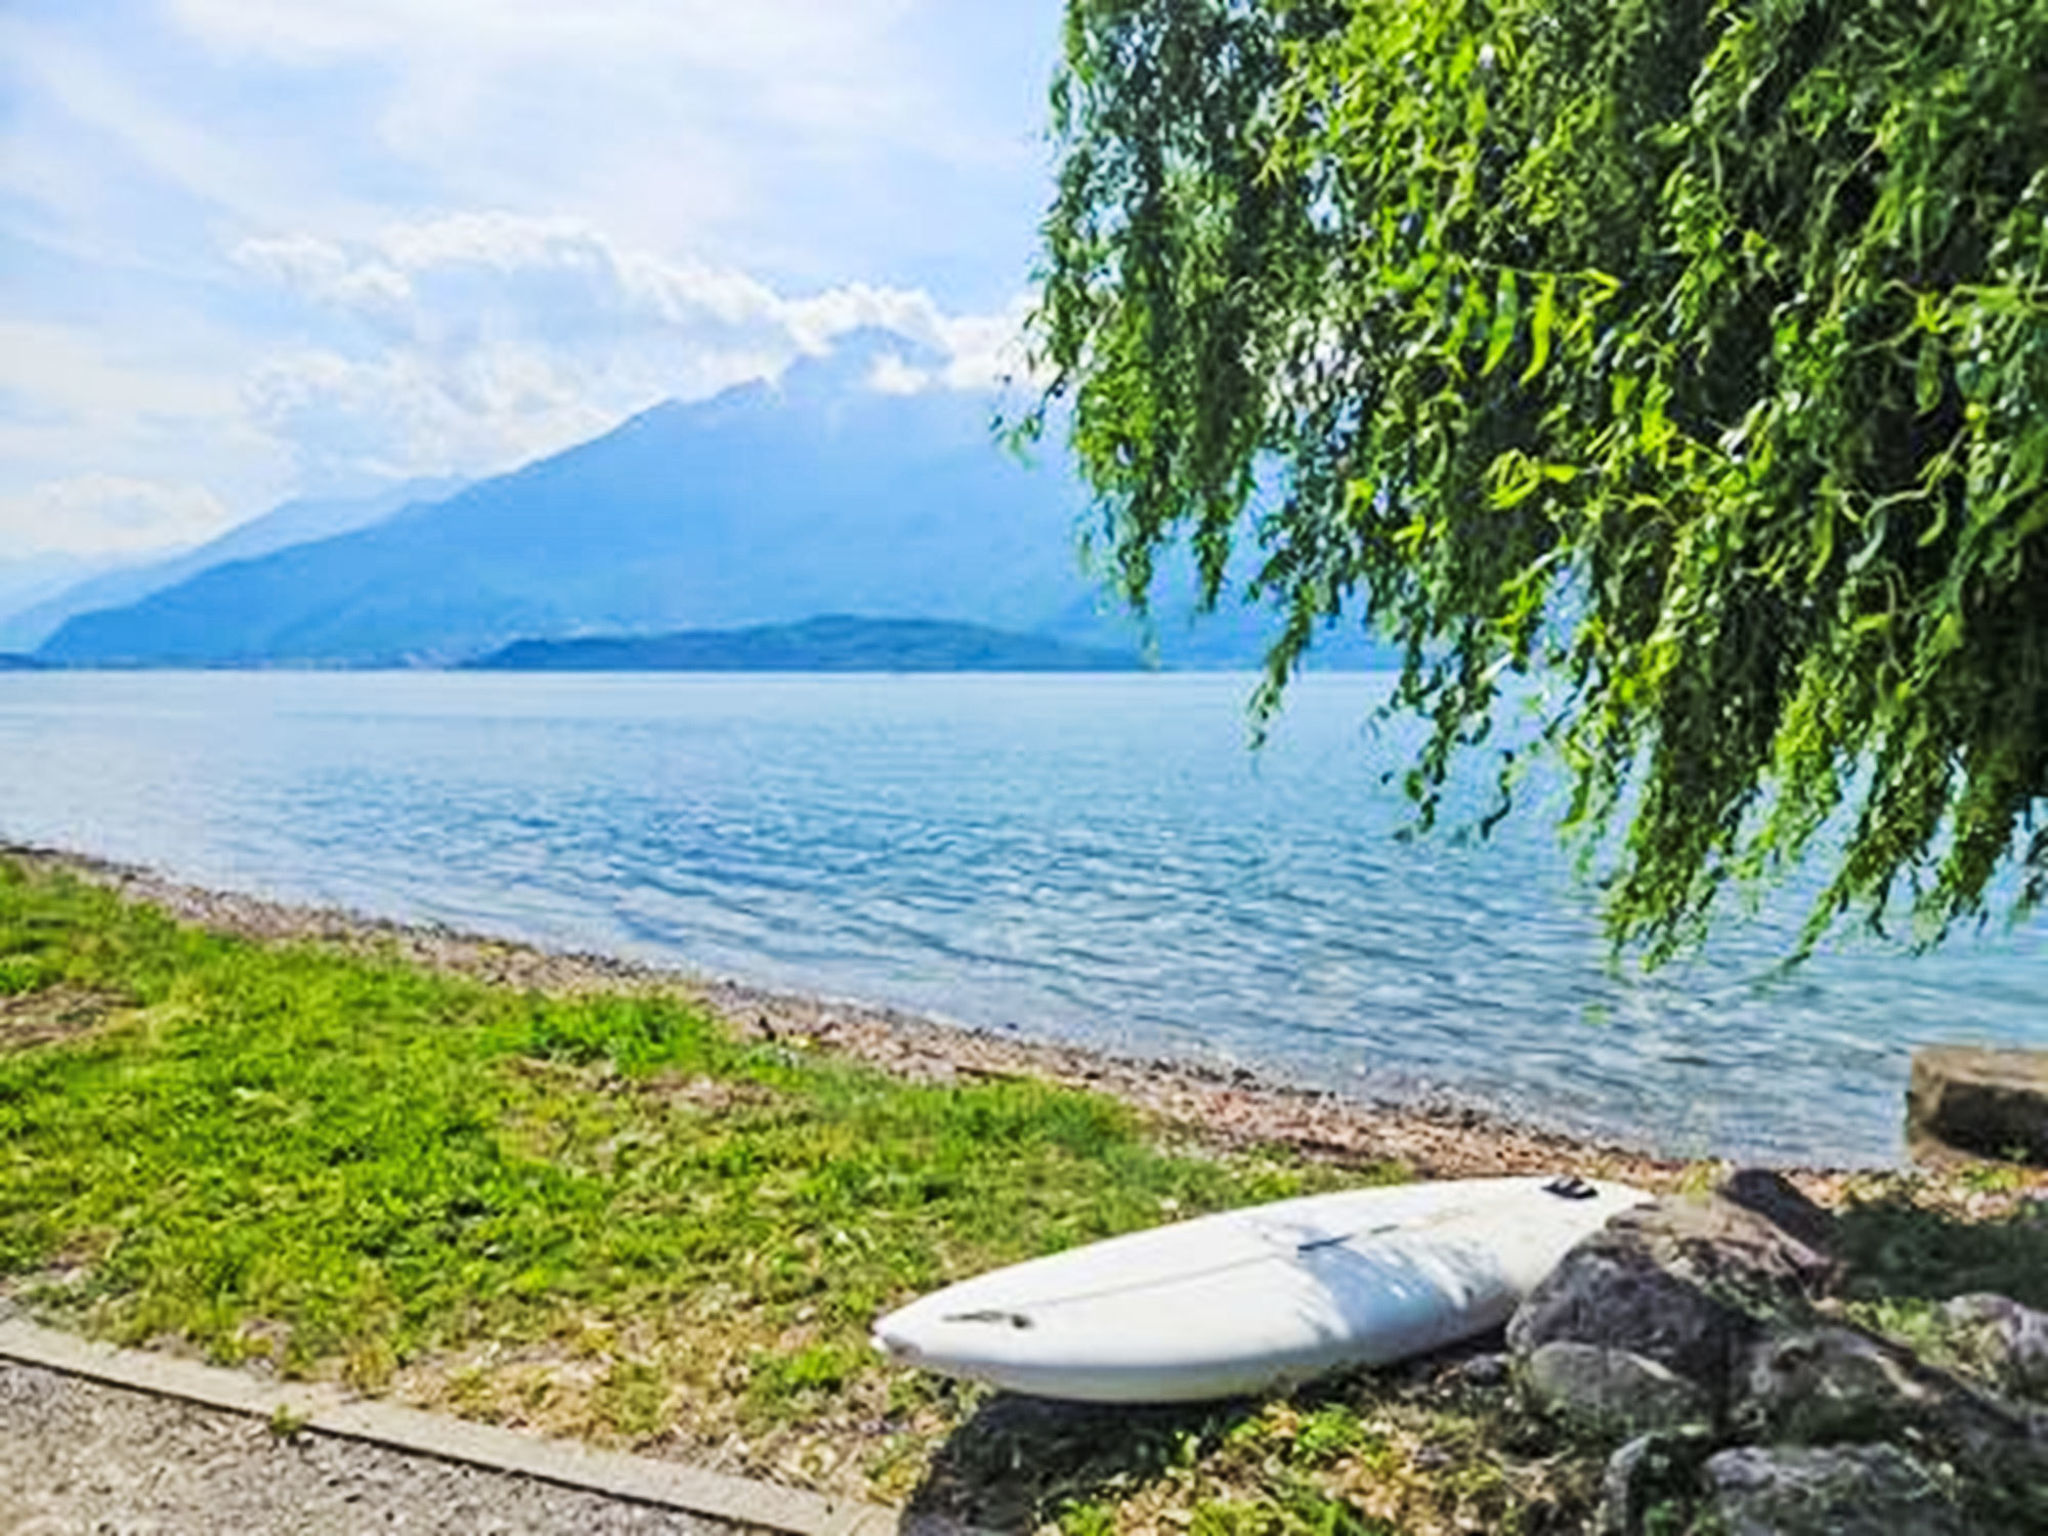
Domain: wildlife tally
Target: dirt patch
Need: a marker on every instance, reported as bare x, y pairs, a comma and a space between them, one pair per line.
706, 1095
30, 1019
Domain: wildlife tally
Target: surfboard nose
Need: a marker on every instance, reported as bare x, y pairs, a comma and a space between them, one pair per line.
894, 1344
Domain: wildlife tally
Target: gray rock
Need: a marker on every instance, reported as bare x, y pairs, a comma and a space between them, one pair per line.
1994, 1102
1691, 1284
1651, 1473
1610, 1391
1778, 1200
2007, 1341
1862, 1490
1838, 1383
1489, 1370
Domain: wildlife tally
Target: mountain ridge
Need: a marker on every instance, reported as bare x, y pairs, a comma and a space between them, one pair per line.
297, 521
765, 505
826, 643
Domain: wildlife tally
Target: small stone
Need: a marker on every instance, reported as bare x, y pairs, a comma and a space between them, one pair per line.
1861, 1490
1484, 1370
1993, 1102
2006, 1340
1611, 1391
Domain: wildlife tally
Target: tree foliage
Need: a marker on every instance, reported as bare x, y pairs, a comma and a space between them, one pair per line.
1693, 353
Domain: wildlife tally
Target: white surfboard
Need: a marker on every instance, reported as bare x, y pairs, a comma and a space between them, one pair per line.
1256, 1300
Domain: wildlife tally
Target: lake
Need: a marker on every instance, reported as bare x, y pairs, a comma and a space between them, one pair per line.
1091, 858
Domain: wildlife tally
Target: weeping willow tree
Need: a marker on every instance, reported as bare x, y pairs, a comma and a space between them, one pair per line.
1690, 353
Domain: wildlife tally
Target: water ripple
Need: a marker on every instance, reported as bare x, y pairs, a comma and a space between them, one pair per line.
1093, 858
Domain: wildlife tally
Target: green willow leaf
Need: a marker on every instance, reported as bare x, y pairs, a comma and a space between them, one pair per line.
1507, 314
1541, 319
1766, 494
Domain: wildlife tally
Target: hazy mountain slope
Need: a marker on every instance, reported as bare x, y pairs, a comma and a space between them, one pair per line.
760, 506
31, 580
291, 522
763, 506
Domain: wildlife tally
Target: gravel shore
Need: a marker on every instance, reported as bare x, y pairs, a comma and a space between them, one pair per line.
1205, 1104
81, 1459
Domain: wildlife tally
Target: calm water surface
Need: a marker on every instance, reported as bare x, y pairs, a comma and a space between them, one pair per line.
1093, 858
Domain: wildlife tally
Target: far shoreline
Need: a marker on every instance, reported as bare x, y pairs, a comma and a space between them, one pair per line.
1224, 1108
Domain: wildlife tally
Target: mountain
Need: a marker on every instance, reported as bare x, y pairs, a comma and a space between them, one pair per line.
765, 505
29, 580
293, 522
10, 662
833, 643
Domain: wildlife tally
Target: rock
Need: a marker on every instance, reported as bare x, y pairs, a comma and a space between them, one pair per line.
1993, 1102
1778, 1200
1610, 1391
1690, 1284
1862, 1490
1839, 1383
1833, 1384
2007, 1341
1489, 1370
1652, 1472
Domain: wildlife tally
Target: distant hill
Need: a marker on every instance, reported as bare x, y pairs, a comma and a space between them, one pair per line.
291, 522
834, 643
10, 662
26, 581
763, 506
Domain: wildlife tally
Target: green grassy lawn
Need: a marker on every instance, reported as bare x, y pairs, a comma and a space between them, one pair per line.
594, 1215
604, 1216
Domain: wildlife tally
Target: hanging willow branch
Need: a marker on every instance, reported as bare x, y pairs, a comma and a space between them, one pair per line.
1694, 354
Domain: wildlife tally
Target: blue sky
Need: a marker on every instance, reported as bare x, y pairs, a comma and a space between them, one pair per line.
258, 248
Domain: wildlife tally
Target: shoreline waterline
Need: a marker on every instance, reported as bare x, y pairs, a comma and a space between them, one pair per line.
1098, 861
1226, 1107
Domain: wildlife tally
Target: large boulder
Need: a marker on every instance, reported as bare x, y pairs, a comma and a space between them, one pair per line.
1993, 1102
1838, 1383
1689, 1284
1859, 1490
1832, 1385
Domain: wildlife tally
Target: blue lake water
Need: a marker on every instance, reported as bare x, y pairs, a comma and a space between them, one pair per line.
1091, 858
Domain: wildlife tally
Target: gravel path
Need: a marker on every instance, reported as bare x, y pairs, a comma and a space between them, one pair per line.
81, 1459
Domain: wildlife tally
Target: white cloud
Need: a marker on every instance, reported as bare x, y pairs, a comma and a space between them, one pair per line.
680, 123
70, 372
230, 258
470, 343
100, 514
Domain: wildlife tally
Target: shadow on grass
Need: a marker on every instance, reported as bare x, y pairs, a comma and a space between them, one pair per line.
1360, 1453
1898, 1250
1018, 1461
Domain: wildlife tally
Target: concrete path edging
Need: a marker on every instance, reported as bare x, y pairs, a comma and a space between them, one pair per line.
329, 1411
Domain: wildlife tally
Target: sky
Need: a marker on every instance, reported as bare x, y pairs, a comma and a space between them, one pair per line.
254, 249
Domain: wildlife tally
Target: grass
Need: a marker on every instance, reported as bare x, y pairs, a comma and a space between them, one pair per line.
604, 1216
595, 1215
